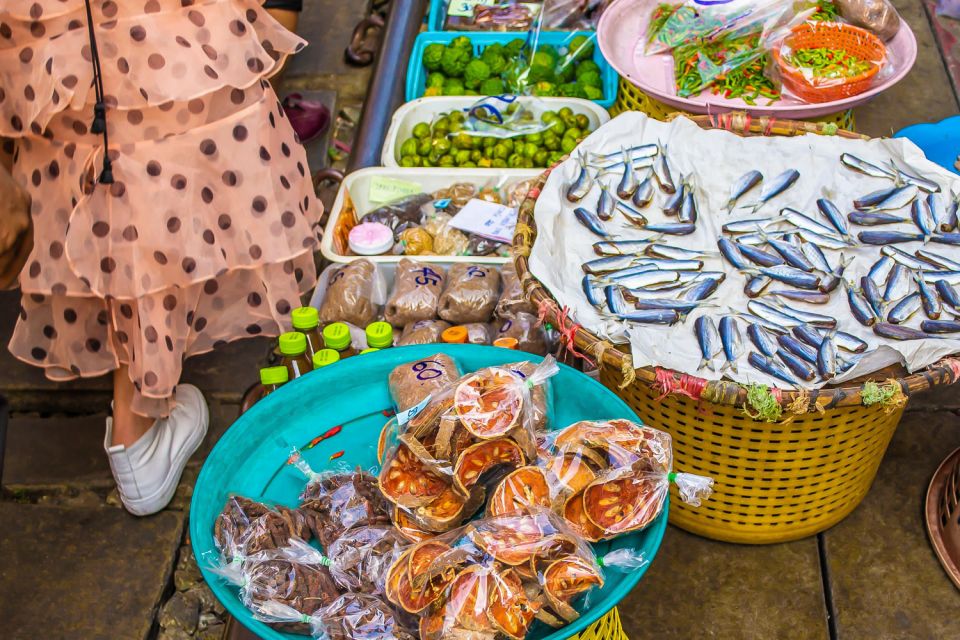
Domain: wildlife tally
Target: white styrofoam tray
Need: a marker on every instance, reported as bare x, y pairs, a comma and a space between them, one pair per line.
427, 109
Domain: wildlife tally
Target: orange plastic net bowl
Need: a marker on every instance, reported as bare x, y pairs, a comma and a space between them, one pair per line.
832, 35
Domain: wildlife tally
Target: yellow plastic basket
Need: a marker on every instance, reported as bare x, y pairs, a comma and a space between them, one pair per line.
630, 98
606, 628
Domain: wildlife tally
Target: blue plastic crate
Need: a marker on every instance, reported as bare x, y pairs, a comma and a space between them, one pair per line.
417, 74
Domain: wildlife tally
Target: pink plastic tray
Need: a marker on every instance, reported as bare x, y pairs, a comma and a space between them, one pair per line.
622, 35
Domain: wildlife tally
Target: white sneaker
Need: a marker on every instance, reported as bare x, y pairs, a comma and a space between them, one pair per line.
148, 471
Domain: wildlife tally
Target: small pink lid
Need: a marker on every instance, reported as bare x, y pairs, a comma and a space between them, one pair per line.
371, 239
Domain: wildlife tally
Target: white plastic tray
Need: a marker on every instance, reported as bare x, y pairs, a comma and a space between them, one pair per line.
356, 187
426, 109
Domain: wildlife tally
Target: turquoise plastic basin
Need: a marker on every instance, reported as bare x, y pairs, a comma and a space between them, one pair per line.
250, 457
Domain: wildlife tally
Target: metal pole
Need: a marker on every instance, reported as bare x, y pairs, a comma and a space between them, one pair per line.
387, 84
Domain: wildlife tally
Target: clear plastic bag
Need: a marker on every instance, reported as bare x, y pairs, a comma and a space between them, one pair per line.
414, 241
471, 293
360, 560
705, 20
497, 576
876, 16
413, 382
361, 616
354, 294
447, 241
526, 329
479, 333
246, 527
423, 332
502, 15
607, 478
416, 293
512, 299
396, 212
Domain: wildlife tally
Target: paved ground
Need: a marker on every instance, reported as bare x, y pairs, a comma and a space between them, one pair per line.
75, 566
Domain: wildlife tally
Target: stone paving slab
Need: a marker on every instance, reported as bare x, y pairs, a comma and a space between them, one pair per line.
90, 574
924, 95
886, 580
699, 588
55, 450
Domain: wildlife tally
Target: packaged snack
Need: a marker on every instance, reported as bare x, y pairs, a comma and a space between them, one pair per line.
447, 241
416, 293
526, 329
423, 332
246, 527
361, 559
361, 616
512, 299
415, 241
877, 16
353, 294
470, 294
459, 194
406, 209
480, 246
412, 382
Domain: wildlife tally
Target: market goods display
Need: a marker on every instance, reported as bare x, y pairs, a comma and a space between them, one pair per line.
511, 15
456, 69
246, 527
828, 260
352, 294
495, 134
423, 332
413, 382
416, 293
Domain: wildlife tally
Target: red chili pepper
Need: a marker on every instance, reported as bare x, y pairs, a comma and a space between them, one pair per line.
338, 454
324, 436
388, 413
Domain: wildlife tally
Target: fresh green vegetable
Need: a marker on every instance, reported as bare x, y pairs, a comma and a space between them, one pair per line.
586, 67
581, 47
495, 60
453, 87
730, 66
492, 87
590, 79
454, 62
432, 54
828, 63
542, 67
435, 79
545, 89
475, 73
462, 42
592, 93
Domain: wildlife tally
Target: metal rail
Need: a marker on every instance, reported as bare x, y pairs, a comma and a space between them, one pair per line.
386, 90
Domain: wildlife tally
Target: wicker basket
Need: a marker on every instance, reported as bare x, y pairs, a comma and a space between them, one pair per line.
631, 98
833, 35
774, 481
943, 515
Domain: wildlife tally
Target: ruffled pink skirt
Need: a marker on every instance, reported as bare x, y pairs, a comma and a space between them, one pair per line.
208, 231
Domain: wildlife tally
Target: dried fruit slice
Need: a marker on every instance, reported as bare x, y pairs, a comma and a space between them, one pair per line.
510, 611
415, 600
407, 482
571, 472
625, 504
408, 528
511, 540
431, 625
522, 489
482, 458
467, 602
575, 514
444, 513
489, 402
428, 420
546, 616
621, 432
388, 433
423, 556
568, 577
398, 568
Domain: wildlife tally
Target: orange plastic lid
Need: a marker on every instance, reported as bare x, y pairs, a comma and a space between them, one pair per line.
506, 343
454, 335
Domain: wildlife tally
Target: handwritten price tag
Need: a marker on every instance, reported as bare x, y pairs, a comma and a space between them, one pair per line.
464, 8
486, 219
386, 189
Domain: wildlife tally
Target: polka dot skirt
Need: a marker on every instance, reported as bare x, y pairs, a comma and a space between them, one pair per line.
208, 231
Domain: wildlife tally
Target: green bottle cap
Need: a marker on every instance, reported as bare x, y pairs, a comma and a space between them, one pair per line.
336, 336
274, 375
324, 357
379, 335
292, 343
305, 318
370, 350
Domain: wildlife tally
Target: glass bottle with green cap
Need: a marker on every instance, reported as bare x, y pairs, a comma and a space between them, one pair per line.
272, 378
293, 349
306, 320
336, 336
324, 357
379, 335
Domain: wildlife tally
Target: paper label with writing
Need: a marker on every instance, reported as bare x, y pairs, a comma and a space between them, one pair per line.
486, 219
403, 417
464, 8
384, 189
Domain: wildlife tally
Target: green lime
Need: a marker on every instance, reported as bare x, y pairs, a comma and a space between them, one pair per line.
568, 144
530, 150
540, 157
447, 161
421, 131
573, 132
409, 147
475, 155
547, 117
535, 138
463, 156
443, 145
423, 149
497, 163
407, 161
583, 122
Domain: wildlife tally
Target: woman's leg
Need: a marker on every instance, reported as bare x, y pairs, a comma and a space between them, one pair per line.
288, 18
128, 427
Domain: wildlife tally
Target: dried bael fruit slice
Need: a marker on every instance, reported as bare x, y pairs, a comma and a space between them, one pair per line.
576, 517
415, 599
431, 625
444, 513
406, 481
466, 608
624, 504
489, 402
408, 528
510, 611
521, 490
397, 569
483, 458
570, 472
423, 556
388, 434
511, 540
567, 578
428, 420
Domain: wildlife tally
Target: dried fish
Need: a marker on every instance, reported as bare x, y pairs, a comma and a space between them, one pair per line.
745, 183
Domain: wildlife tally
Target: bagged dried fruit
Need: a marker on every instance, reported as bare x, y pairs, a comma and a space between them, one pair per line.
416, 293
352, 616
334, 502
471, 293
246, 527
361, 558
354, 294
412, 382
422, 332
606, 478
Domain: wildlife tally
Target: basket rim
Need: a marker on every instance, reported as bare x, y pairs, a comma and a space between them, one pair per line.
791, 71
944, 372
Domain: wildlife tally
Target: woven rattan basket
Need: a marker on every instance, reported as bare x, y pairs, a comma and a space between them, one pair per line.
783, 479
943, 515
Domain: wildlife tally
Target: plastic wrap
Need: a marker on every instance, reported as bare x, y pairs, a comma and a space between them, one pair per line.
360, 560
494, 577
512, 299
416, 293
396, 212
413, 382
354, 294
463, 440
877, 16
361, 616
526, 328
447, 241
509, 15
246, 527
703, 20
479, 333
471, 293
423, 332
458, 193
604, 478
